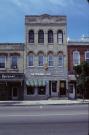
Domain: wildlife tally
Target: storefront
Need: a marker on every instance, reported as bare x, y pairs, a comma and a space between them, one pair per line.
11, 86
44, 85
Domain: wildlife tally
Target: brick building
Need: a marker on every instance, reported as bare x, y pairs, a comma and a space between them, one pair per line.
78, 51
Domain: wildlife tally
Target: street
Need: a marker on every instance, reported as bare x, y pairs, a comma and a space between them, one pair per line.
44, 120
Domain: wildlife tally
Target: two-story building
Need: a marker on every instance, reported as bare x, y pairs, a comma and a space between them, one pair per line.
11, 71
78, 51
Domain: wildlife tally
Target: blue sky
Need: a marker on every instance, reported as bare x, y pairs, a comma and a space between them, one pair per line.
12, 14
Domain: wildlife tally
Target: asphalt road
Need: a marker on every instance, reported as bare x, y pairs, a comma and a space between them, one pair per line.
44, 120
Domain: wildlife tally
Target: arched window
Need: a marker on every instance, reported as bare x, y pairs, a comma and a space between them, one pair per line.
87, 56
60, 60
30, 59
60, 37
31, 36
76, 58
40, 59
50, 59
50, 36
40, 36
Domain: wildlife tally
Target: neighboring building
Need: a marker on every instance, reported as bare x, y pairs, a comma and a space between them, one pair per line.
45, 56
11, 71
77, 53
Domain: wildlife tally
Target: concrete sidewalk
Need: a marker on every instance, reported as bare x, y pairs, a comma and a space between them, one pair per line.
50, 101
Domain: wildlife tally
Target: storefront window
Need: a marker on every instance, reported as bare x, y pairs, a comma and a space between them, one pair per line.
41, 90
2, 61
14, 62
30, 90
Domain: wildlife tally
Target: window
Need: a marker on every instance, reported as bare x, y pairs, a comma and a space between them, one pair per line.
87, 56
59, 37
41, 60
31, 36
14, 62
41, 90
50, 36
50, 60
41, 36
60, 60
30, 90
30, 60
2, 61
76, 58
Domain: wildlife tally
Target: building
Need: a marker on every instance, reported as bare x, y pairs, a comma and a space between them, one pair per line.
78, 51
41, 67
45, 55
11, 71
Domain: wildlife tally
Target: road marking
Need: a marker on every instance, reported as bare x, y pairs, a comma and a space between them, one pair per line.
41, 115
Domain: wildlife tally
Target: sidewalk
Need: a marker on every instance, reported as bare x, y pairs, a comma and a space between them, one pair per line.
50, 101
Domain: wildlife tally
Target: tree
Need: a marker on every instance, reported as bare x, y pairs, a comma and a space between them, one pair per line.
82, 78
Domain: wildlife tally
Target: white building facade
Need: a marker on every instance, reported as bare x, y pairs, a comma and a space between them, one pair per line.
45, 57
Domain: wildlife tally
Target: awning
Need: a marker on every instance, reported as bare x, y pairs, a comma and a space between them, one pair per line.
35, 82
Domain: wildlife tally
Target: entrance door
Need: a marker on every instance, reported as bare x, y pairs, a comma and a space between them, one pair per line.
53, 88
62, 88
14, 93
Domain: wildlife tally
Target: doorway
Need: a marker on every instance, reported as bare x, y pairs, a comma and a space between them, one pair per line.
14, 93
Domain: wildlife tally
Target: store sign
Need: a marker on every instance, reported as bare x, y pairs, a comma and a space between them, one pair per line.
40, 74
11, 76
7, 76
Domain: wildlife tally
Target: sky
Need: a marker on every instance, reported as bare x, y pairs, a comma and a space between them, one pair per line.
12, 15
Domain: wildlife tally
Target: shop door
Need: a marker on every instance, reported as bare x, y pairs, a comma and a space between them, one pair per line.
14, 93
62, 88
53, 88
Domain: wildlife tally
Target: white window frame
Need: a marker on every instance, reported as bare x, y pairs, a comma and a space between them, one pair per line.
50, 60
77, 58
86, 56
62, 61
31, 54
43, 60
11, 61
4, 60
60, 37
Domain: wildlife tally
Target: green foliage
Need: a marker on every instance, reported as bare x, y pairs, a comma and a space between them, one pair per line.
82, 76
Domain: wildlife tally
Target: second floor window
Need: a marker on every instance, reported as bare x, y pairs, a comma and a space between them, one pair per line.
60, 60
87, 56
14, 62
31, 36
40, 36
76, 58
30, 60
41, 60
50, 36
50, 60
2, 61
